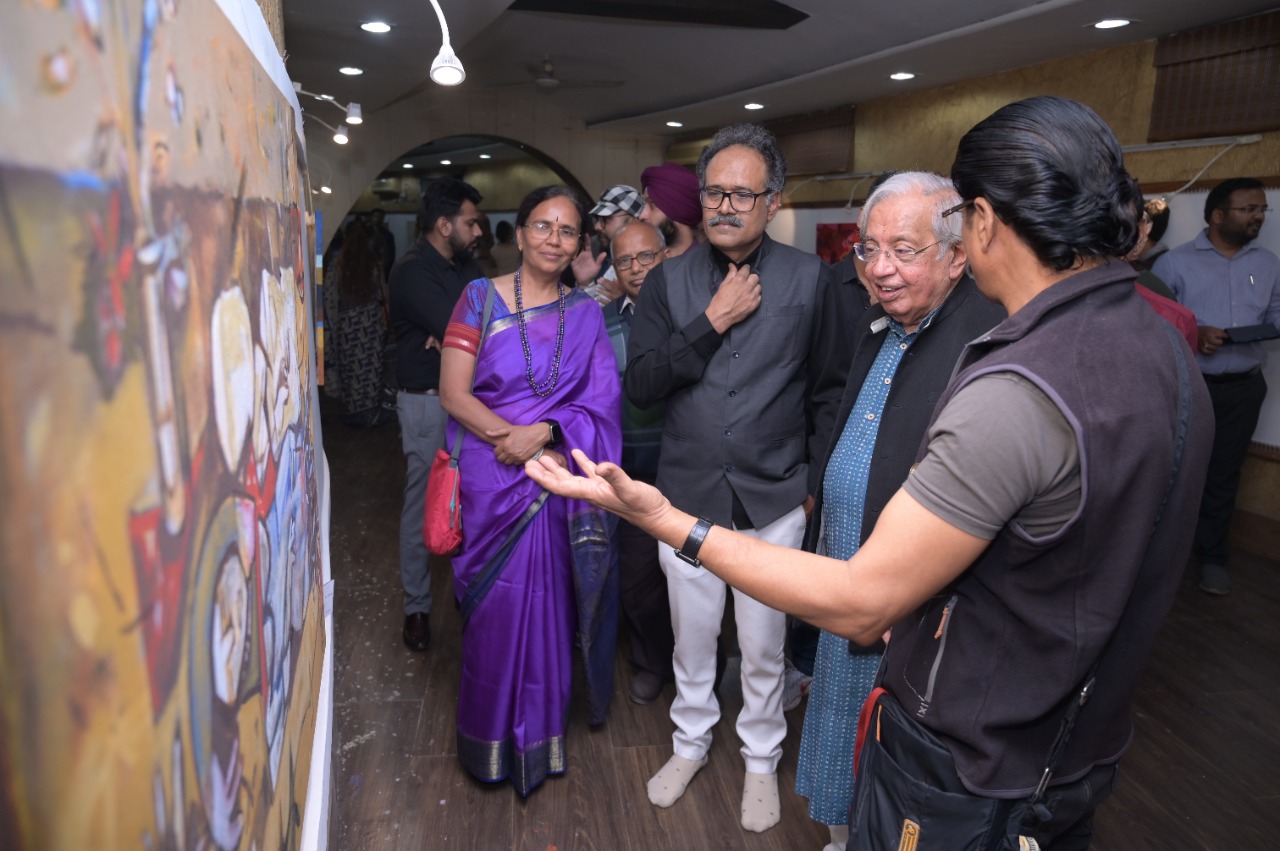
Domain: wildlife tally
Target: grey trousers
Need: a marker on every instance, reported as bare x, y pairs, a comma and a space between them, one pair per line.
422, 422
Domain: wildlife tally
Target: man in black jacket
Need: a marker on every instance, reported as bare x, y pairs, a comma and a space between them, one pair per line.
741, 339
425, 285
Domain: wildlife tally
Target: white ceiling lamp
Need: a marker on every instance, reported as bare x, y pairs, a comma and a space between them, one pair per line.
1111, 23
350, 71
340, 135
408, 165
447, 69
486, 156
446, 162
376, 27
754, 106
326, 190
902, 75
354, 113
675, 123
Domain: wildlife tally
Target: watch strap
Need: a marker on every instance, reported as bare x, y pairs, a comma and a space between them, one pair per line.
688, 552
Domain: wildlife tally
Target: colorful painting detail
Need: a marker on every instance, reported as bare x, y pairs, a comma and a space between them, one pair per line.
836, 240
161, 617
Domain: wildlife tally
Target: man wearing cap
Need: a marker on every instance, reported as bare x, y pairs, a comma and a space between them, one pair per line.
671, 205
619, 205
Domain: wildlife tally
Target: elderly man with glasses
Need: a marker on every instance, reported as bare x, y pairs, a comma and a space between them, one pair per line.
1230, 283
739, 337
928, 309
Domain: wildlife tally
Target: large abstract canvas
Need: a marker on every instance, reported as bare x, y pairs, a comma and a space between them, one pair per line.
161, 622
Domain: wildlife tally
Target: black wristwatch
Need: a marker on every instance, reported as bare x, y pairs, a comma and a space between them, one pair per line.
688, 553
557, 433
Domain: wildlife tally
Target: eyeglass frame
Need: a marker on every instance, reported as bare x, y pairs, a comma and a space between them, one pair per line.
537, 228
859, 251
1249, 209
635, 258
755, 197
957, 208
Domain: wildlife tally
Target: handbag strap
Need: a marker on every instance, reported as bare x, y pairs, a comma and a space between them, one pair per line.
1086, 690
484, 332
479, 588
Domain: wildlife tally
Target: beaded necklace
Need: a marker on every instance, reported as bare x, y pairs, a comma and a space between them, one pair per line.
542, 388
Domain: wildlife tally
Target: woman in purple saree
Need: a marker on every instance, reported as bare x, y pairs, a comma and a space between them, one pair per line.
534, 576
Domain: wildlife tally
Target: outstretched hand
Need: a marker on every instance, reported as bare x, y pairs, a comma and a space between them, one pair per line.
603, 485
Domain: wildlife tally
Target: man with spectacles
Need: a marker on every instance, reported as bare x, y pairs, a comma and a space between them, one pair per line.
637, 248
740, 339
618, 206
426, 283
1228, 281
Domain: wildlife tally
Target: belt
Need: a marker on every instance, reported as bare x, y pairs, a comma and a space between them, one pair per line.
1228, 377
421, 391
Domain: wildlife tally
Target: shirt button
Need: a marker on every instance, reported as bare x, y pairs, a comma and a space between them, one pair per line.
870, 417
888, 381
735, 354
728, 468
902, 346
733, 392
728, 432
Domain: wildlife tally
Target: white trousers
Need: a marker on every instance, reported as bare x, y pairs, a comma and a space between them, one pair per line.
697, 606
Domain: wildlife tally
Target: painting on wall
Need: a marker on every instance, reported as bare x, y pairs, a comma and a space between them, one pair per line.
835, 240
161, 620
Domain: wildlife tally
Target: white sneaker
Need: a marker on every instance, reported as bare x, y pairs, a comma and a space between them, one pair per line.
795, 685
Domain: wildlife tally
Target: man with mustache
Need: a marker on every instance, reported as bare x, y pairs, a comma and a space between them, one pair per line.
425, 285
1227, 281
740, 338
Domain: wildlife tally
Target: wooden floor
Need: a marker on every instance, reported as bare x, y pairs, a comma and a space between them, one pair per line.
1203, 773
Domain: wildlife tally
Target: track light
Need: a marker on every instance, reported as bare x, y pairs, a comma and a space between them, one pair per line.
354, 115
340, 135
447, 69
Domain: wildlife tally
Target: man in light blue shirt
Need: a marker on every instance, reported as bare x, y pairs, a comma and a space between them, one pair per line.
1228, 281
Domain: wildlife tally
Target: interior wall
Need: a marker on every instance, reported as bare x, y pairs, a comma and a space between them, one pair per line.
920, 130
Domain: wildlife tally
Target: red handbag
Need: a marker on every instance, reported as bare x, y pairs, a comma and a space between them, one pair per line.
442, 513
442, 509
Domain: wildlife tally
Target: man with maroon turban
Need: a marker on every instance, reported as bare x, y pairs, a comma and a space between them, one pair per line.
671, 205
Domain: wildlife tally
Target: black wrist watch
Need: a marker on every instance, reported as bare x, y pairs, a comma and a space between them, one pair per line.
557, 433
688, 553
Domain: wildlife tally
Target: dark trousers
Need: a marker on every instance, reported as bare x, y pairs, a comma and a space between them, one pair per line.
1237, 401
644, 601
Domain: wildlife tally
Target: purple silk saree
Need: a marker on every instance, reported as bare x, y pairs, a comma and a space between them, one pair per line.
555, 581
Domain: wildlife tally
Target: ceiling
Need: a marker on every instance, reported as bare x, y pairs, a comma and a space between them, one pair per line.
630, 74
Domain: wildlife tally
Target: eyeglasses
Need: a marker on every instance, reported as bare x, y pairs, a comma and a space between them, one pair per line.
1249, 210
957, 208
867, 252
644, 258
545, 229
740, 200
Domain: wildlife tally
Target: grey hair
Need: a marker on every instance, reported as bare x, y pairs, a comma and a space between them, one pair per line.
662, 240
935, 188
756, 138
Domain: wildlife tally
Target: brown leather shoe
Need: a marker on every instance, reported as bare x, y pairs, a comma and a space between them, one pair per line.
417, 631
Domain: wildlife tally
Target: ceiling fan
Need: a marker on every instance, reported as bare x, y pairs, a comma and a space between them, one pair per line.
544, 77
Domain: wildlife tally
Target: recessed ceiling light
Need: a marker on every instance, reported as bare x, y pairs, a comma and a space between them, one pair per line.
675, 123
486, 156
446, 162
408, 165
326, 190
375, 27
350, 71
754, 106
1111, 23
902, 75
